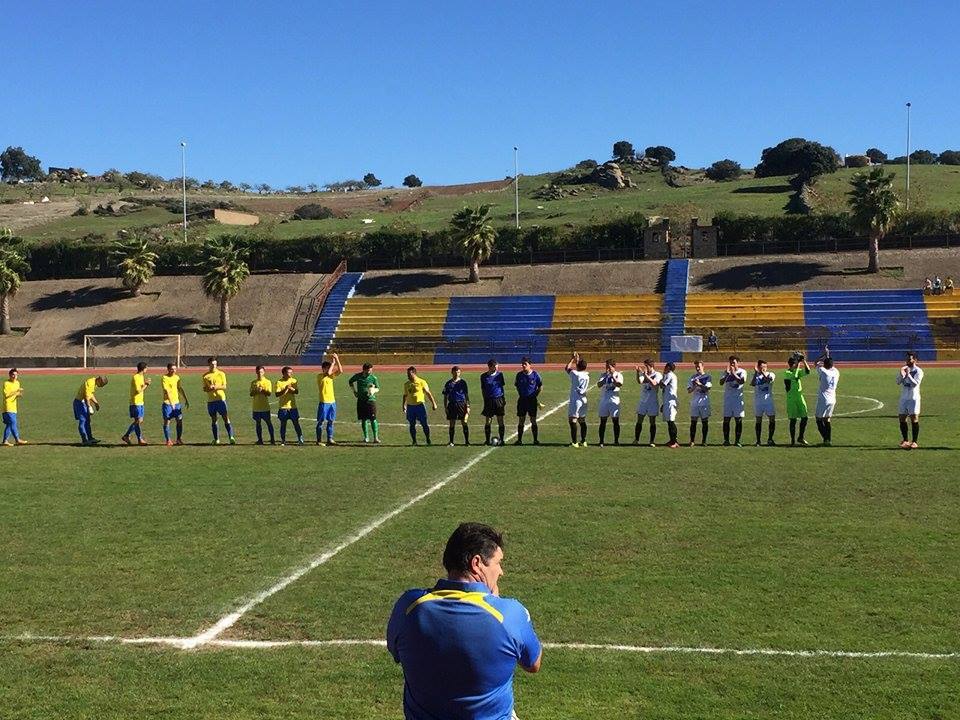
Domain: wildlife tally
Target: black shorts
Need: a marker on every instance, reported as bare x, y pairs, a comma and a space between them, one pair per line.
366, 410
457, 411
527, 406
494, 407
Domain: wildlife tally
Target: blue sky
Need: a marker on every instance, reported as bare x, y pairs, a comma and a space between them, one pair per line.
294, 93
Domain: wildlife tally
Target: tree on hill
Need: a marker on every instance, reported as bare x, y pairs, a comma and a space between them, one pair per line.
136, 262
412, 181
371, 180
227, 186
245, 187
662, 154
923, 157
15, 164
724, 170
473, 230
949, 157
588, 164
877, 157
798, 156
13, 268
263, 188
873, 206
224, 270
623, 151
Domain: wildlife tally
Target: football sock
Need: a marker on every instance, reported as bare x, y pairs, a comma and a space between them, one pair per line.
573, 431
269, 423
828, 430
915, 428
583, 429
903, 429
793, 431
693, 430
426, 432
376, 429
803, 428
726, 430
820, 429
603, 428
296, 426
771, 425
166, 432
413, 431
520, 430
486, 433
653, 429
450, 433
216, 430
672, 430
501, 429
738, 429
363, 425
180, 430
82, 427
259, 429
758, 426
283, 430
535, 430
638, 429
616, 431
466, 433
706, 426
229, 428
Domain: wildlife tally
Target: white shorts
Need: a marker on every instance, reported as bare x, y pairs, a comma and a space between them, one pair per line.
733, 407
669, 411
700, 409
577, 407
609, 408
909, 407
764, 406
825, 407
649, 407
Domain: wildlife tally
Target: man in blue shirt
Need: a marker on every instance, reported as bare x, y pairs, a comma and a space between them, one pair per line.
460, 642
494, 401
528, 384
456, 403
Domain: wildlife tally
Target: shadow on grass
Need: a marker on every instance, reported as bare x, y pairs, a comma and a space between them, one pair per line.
87, 296
144, 325
762, 190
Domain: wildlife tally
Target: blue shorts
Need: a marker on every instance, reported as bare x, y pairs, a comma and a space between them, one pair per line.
80, 410
417, 413
136, 412
261, 415
290, 414
326, 412
217, 407
170, 412
9, 418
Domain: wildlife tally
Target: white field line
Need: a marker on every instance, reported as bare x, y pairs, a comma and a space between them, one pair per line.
248, 604
877, 405
185, 643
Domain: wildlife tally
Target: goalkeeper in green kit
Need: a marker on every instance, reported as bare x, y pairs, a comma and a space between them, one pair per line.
796, 404
365, 387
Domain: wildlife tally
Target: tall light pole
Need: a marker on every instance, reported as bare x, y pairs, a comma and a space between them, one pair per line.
908, 157
516, 185
183, 183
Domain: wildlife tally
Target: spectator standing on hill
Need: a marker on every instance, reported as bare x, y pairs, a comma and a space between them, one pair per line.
712, 341
649, 404
796, 403
909, 381
460, 642
415, 393
12, 392
85, 403
365, 387
528, 384
829, 378
577, 406
327, 406
456, 404
763, 404
610, 383
494, 400
733, 380
261, 389
699, 388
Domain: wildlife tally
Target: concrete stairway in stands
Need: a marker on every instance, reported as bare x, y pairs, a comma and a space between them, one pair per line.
326, 326
674, 306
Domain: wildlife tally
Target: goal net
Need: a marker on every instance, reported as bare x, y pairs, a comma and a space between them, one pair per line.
114, 350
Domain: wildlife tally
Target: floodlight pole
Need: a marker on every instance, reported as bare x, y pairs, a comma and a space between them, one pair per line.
908, 157
183, 183
516, 185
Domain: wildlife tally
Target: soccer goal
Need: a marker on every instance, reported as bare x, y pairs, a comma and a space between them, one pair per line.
111, 350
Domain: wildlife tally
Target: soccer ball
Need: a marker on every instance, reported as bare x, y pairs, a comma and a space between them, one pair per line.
495, 441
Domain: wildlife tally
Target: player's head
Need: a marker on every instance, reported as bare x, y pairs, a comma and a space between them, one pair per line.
648, 363
669, 367
260, 370
492, 364
734, 361
698, 365
367, 367
286, 371
212, 363
611, 364
455, 372
828, 363
326, 365
13, 373
792, 361
411, 372
581, 364
525, 364
171, 369
474, 552
911, 358
101, 380
761, 366
141, 366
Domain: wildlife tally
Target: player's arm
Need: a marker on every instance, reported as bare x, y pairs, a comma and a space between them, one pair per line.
294, 388
426, 391
572, 362
337, 368
806, 366
254, 389
183, 394
466, 394
740, 379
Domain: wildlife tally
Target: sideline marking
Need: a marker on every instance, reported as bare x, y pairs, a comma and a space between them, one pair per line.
878, 406
184, 644
231, 618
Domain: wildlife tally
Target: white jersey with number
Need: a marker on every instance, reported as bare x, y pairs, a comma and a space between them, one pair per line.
610, 384
763, 394
827, 391
669, 406
699, 386
733, 392
910, 390
649, 401
579, 384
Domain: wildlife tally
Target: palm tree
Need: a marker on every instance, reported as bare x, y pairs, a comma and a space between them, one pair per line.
874, 206
224, 270
473, 229
13, 267
136, 263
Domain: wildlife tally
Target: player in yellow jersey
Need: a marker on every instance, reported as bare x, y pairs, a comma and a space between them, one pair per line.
138, 385
415, 392
172, 408
215, 386
327, 407
85, 403
12, 392
260, 391
287, 391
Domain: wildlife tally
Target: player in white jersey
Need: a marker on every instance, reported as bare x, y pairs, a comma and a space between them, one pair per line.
733, 380
610, 383
577, 408
649, 405
762, 382
909, 380
699, 389
826, 397
668, 407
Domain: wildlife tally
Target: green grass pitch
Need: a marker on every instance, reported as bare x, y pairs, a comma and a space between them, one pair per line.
849, 548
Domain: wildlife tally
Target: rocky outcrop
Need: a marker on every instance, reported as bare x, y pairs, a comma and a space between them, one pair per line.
608, 175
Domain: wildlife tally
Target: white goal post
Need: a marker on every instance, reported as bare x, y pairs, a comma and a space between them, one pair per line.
103, 347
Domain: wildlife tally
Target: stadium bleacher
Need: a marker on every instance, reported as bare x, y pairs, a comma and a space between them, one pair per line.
326, 325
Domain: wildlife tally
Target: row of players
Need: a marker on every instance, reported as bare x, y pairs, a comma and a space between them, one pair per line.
658, 398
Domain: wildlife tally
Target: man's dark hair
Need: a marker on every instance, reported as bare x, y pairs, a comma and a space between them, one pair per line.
141, 366
732, 358
259, 367
581, 364
648, 362
210, 360
470, 539
367, 367
611, 362
12, 371
455, 368
911, 354
491, 362
411, 369
524, 359
670, 367
285, 368
326, 365
761, 361
828, 363
170, 366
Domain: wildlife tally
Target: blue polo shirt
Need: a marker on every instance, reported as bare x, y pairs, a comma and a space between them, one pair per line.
459, 645
528, 385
